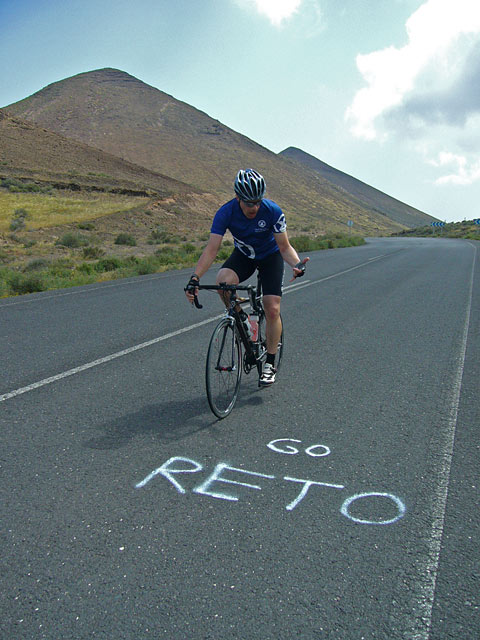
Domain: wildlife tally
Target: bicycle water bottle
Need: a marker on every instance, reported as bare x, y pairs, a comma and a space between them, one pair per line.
247, 325
254, 327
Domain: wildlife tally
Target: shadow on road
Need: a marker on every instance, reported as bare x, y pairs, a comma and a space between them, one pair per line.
168, 421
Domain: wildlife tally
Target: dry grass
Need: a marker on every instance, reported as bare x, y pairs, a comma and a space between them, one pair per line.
52, 210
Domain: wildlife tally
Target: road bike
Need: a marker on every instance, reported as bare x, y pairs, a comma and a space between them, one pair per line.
232, 349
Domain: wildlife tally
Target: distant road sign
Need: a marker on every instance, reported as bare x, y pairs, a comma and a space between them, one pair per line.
477, 221
437, 224
350, 223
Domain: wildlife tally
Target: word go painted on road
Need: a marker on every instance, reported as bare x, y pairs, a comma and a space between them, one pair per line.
290, 450
222, 475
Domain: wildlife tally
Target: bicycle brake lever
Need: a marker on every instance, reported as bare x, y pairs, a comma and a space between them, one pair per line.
197, 303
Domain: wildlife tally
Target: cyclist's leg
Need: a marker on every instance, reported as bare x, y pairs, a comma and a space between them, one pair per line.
271, 274
271, 304
234, 270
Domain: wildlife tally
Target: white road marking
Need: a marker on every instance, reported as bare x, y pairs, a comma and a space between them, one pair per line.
143, 345
95, 363
419, 616
78, 290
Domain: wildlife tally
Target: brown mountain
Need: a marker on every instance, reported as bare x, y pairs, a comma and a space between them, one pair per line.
373, 198
30, 151
114, 112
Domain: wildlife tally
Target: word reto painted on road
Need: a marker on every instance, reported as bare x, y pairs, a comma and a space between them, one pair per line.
225, 474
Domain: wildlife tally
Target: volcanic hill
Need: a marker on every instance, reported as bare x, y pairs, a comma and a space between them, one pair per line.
111, 111
373, 198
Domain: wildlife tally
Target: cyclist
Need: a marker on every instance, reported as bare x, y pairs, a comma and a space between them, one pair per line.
259, 232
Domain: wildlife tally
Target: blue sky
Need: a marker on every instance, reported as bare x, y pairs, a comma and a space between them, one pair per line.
385, 90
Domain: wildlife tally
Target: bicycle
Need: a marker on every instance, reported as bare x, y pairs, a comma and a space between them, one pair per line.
225, 358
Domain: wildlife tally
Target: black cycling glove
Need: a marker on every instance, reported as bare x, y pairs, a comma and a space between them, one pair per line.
302, 266
192, 283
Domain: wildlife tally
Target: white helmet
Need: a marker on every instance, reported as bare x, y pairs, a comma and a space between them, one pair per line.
249, 185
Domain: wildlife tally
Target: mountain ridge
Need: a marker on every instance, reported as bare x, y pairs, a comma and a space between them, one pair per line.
378, 200
118, 114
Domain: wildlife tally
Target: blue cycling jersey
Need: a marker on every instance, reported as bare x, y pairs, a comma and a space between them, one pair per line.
253, 237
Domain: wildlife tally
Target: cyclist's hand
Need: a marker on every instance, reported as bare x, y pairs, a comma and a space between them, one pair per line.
191, 289
299, 269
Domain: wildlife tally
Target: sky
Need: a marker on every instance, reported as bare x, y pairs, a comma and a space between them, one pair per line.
387, 91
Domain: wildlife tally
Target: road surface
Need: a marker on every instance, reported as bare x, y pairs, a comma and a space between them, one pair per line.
341, 503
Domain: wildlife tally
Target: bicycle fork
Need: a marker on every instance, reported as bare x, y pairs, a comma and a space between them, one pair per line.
232, 367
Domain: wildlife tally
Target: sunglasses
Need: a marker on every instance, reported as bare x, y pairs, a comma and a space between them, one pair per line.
252, 204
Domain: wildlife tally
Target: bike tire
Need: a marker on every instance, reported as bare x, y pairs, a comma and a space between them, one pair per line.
224, 368
263, 340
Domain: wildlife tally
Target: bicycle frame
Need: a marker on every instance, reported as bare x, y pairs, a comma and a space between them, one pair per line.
253, 352
225, 358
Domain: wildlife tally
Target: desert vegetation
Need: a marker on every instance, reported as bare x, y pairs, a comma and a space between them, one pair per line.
80, 256
466, 230
47, 208
52, 238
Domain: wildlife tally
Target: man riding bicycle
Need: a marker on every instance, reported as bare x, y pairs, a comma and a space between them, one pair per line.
259, 232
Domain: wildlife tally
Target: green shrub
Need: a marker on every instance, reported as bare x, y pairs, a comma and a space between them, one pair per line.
36, 265
93, 253
145, 266
86, 267
86, 226
26, 283
108, 264
301, 243
158, 237
165, 256
17, 224
18, 220
332, 241
17, 186
126, 239
72, 240
188, 248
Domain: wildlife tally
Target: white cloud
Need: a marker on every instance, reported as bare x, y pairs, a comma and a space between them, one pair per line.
276, 11
464, 172
448, 158
420, 81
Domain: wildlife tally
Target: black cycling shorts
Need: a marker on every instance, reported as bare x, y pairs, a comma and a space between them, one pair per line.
270, 269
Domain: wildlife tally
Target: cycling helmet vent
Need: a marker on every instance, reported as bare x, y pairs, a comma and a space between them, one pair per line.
249, 185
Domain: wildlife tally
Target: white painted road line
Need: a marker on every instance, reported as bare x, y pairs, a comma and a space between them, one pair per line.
419, 616
95, 363
143, 345
335, 275
77, 290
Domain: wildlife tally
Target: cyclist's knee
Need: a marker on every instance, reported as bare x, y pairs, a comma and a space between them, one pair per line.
271, 304
227, 275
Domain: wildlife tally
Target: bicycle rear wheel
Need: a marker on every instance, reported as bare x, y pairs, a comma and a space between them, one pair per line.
262, 336
224, 368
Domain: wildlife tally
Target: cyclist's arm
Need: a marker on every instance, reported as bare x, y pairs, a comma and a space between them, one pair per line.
289, 254
209, 254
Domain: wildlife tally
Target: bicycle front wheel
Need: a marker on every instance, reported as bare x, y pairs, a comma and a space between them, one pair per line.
224, 368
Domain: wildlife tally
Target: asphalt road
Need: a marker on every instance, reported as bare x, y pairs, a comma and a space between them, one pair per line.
341, 503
